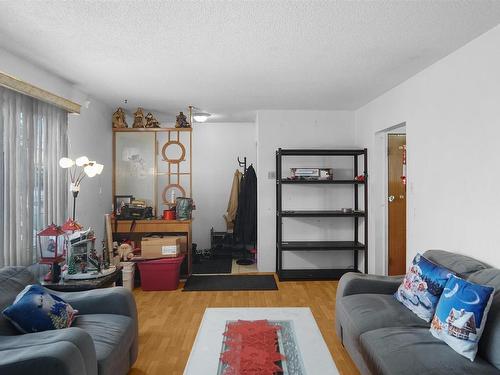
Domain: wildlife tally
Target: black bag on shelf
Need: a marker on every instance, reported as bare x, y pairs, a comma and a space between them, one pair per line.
135, 213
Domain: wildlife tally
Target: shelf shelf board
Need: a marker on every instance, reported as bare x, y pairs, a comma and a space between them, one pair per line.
314, 274
173, 174
321, 213
322, 182
320, 152
142, 130
321, 245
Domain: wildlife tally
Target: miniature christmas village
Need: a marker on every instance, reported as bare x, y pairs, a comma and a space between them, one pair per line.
82, 259
77, 246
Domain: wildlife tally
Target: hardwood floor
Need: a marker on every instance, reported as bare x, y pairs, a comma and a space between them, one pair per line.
169, 321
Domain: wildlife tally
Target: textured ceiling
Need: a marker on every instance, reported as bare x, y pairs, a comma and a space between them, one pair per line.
232, 58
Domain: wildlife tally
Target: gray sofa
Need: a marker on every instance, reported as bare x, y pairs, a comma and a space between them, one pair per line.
383, 337
102, 340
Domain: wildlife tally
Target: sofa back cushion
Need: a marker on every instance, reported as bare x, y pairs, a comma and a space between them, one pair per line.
490, 341
462, 265
12, 282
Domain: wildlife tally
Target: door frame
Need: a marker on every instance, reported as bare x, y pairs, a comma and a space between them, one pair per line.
381, 218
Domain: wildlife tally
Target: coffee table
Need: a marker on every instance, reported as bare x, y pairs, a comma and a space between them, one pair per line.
314, 356
85, 284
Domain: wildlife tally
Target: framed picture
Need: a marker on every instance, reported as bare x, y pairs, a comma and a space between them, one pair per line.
122, 200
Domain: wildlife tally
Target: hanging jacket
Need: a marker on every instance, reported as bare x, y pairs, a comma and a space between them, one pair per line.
246, 217
232, 205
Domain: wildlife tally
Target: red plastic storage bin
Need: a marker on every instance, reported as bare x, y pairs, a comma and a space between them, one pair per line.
160, 274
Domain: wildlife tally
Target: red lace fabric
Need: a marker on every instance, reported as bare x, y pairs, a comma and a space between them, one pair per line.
252, 348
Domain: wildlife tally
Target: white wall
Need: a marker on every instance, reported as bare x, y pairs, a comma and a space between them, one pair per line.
89, 134
298, 129
216, 147
452, 112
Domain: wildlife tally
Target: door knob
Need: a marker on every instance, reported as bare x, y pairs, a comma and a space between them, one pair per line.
391, 198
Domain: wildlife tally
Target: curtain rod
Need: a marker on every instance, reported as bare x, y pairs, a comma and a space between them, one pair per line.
38, 93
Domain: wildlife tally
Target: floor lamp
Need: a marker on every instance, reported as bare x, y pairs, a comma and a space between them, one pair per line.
78, 169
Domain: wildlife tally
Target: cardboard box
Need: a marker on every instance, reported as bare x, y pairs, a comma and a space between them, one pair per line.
160, 247
183, 243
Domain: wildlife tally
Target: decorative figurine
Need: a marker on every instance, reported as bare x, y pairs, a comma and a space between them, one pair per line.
94, 261
119, 119
51, 247
181, 121
151, 122
139, 119
83, 267
125, 252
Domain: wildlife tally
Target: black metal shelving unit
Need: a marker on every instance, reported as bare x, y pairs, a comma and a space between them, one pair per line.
356, 215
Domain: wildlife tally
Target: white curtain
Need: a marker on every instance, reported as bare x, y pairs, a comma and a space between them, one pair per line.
33, 189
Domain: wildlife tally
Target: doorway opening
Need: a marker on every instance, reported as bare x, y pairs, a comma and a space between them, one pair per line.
390, 203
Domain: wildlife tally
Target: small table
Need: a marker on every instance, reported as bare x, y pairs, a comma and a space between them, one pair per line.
81, 285
315, 358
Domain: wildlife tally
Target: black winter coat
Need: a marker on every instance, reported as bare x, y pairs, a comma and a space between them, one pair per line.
246, 216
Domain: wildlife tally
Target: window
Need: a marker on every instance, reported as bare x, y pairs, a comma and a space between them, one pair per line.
33, 189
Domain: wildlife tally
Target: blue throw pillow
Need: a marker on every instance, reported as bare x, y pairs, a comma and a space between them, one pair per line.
461, 315
422, 287
36, 310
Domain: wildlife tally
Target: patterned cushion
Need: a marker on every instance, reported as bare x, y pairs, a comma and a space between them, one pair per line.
422, 287
36, 310
461, 315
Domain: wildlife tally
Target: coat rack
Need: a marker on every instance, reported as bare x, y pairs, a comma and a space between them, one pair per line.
245, 261
243, 164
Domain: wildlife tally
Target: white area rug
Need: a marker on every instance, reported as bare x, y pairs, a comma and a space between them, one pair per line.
309, 356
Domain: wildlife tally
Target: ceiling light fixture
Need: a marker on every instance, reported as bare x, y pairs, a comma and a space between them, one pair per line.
201, 116
197, 115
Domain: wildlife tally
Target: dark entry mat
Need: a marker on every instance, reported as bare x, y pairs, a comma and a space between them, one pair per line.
217, 265
230, 283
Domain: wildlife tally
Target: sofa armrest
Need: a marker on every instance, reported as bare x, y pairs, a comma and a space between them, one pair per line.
68, 351
118, 300
359, 283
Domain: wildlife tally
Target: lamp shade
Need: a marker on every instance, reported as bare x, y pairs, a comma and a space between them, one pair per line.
93, 168
82, 160
99, 168
90, 170
66, 163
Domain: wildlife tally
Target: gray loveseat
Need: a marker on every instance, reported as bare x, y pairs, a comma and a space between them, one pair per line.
102, 340
383, 337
